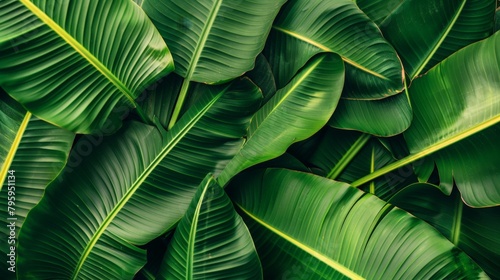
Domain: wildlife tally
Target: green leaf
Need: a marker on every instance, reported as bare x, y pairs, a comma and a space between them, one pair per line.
213, 41
34, 152
329, 230
473, 24
73, 73
348, 155
475, 231
375, 117
307, 27
294, 113
263, 77
456, 100
132, 187
211, 241
449, 26
378, 10
456, 103
159, 99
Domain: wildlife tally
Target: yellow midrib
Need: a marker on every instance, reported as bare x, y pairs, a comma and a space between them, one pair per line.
80, 49
321, 257
327, 49
13, 148
192, 232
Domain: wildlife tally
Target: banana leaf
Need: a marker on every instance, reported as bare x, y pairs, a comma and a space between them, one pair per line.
133, 187
456, 111
32, 153
211, 241
294, 113
314, 228
475, 231
304, 28
374, 117
66, 63
213, 41
348, 155
424, 32
378, 10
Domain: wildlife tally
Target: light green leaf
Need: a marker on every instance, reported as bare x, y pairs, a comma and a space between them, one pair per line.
211, 241
475, 231
457, 100
328, 230
131, 188
307, 27
67, 64
294, 113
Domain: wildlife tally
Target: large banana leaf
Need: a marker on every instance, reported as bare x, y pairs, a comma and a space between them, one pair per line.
36, 152
375, 117
294, 113
424, 32
67, 64
132, 188
456, 100
211, 241
475, 231
456, 111
308, 226
213, 40
304, 28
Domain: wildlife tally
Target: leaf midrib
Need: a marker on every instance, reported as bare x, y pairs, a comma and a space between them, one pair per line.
192, 232
311, 251
440, 41
327, 49
427, 151
140, 180
81, 50
200, 45
193, 63
13, 148
285, 96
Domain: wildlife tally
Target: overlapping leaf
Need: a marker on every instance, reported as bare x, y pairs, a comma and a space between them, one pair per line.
134, 186
438, 28
349, 155
310, 227
211, 241
376, 117
215, 40
456, 111
67, 64
307, 27
294, 113
475, 231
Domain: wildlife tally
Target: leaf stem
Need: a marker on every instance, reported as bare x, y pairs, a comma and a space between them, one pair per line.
348, 156
179, 103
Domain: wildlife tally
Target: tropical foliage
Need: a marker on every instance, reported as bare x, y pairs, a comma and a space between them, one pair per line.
256, 139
